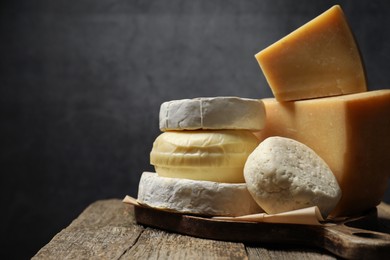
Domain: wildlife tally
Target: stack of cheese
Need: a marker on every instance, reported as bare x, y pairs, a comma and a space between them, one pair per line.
322, 132
351, 133
200, 156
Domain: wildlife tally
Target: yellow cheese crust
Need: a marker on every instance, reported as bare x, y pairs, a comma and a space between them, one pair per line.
319, 59
350, 132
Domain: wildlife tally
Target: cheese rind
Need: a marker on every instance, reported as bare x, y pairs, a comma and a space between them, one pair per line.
212, 155
283, 175
195, 197
350, 133
319, 59
212, 113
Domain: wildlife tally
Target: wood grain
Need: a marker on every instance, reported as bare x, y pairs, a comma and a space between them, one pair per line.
287, 252
352, 238
107, 230
157, 244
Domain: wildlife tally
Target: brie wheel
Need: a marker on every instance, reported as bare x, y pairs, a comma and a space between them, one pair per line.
203, 155
212, 113
195, 197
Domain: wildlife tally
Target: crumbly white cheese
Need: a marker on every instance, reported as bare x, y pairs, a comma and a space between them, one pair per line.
212, 113
195, 197
283, 174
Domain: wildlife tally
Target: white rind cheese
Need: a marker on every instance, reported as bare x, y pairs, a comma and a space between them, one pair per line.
212, 113
208, 155
195, 197
283, 174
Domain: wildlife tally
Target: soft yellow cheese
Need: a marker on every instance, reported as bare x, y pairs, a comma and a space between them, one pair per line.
350, 132
207, 155
319, 59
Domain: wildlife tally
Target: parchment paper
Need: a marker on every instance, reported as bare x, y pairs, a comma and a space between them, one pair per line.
306, 216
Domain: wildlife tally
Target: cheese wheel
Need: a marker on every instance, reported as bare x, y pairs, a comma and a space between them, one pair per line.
319, 59
209, 155
212, 113
195, 197
283, 175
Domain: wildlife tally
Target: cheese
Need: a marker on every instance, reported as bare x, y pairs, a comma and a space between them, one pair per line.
319, 59
283, 175
195, 197
350, 132
213, 155
212, 113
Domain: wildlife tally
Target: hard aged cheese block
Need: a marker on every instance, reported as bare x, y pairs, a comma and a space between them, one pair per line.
195, 197
203, 155
319, 59
283, 175
350, 132
212, 113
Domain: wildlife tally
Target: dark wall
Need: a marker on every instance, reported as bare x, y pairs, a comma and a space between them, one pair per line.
81, 84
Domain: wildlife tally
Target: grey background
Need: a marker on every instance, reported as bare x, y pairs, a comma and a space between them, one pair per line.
81, 83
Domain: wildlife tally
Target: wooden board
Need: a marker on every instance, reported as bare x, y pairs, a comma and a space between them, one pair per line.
360, 237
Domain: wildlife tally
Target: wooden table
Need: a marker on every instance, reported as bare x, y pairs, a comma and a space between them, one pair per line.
107, 230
